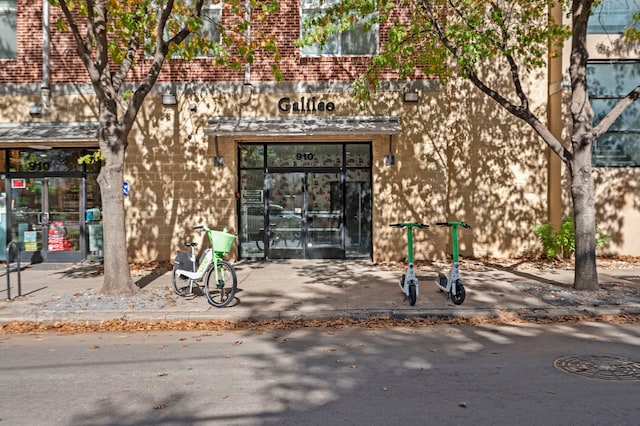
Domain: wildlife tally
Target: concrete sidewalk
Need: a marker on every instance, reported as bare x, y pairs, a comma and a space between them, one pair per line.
308, 290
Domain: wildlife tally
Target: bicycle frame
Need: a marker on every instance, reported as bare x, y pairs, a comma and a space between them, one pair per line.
206, 260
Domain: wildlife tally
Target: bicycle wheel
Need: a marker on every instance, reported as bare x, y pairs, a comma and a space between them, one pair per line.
458, 298
413, 294
179, 283
222, 292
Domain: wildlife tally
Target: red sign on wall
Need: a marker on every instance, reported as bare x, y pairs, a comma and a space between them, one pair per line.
18, 183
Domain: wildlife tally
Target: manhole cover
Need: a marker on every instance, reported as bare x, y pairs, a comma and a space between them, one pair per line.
600, 367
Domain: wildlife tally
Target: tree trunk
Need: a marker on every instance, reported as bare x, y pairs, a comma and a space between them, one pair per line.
117, 275
582, 137
586, 275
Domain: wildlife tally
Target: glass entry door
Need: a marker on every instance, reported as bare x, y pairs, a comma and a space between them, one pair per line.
324, 216
304, 215
45, 216
285, 228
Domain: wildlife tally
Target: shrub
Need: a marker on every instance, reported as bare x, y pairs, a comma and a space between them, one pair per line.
562, 244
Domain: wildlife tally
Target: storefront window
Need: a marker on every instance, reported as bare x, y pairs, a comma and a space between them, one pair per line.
52, 205
252, 212
358, 155
251, 156
304, 155
54, 160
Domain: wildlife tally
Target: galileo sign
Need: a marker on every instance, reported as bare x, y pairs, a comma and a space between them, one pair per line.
307, 105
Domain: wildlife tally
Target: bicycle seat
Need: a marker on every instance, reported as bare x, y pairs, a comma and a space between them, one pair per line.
191, 244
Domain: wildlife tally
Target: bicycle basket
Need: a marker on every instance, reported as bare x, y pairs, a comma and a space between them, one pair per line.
222, 242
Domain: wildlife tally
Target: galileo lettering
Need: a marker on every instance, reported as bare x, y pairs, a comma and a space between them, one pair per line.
305, 105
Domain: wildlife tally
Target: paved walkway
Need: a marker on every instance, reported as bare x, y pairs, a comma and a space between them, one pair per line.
310, 290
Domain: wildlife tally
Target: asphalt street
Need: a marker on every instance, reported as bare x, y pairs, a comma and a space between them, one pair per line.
446, 375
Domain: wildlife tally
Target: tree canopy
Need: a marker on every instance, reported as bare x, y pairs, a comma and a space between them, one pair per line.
114, 37
510, 38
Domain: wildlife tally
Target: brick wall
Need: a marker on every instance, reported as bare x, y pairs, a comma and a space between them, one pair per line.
67, 67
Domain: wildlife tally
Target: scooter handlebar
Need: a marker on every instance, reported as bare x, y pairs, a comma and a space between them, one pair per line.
463, 224
412, 224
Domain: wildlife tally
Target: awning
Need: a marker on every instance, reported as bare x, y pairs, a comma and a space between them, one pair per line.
296, 125
46, 133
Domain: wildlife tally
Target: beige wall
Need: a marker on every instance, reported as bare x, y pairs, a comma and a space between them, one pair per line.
458, 157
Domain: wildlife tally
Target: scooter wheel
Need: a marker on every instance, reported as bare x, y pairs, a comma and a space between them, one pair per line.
459, 297
413, 294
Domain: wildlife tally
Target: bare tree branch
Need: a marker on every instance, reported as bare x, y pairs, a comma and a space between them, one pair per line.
615, 112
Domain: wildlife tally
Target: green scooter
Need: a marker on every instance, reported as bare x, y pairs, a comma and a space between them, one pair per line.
453, 285
409, 280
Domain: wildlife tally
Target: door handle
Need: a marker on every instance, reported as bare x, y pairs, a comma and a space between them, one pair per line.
43, 218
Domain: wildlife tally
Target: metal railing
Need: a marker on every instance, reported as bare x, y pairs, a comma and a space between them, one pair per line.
13, 244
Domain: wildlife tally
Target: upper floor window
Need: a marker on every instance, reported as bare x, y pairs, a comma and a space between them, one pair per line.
8, 29
354, 42
209, 32
608, 83
613, 16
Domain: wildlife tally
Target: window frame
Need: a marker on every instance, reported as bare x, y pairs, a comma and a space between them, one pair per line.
605, 10
209, 6
624, 131
207, 10
308, 8
9, 9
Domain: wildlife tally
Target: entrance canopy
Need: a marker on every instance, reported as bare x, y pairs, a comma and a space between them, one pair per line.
303, 125
45, 133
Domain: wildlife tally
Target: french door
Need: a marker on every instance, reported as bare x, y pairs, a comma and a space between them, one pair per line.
305, 212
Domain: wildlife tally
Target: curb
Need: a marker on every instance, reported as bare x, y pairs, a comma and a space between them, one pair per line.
507, 315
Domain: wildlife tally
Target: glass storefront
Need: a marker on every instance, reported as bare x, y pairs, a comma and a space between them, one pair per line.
302, 201
50, 205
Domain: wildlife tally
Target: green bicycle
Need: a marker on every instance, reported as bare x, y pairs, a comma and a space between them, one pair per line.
220, 280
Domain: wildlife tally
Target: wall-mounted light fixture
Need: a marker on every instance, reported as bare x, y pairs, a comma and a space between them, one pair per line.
169, 99
35, 110
218, 160
245, 93
390, 160
411, 95
39, 147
